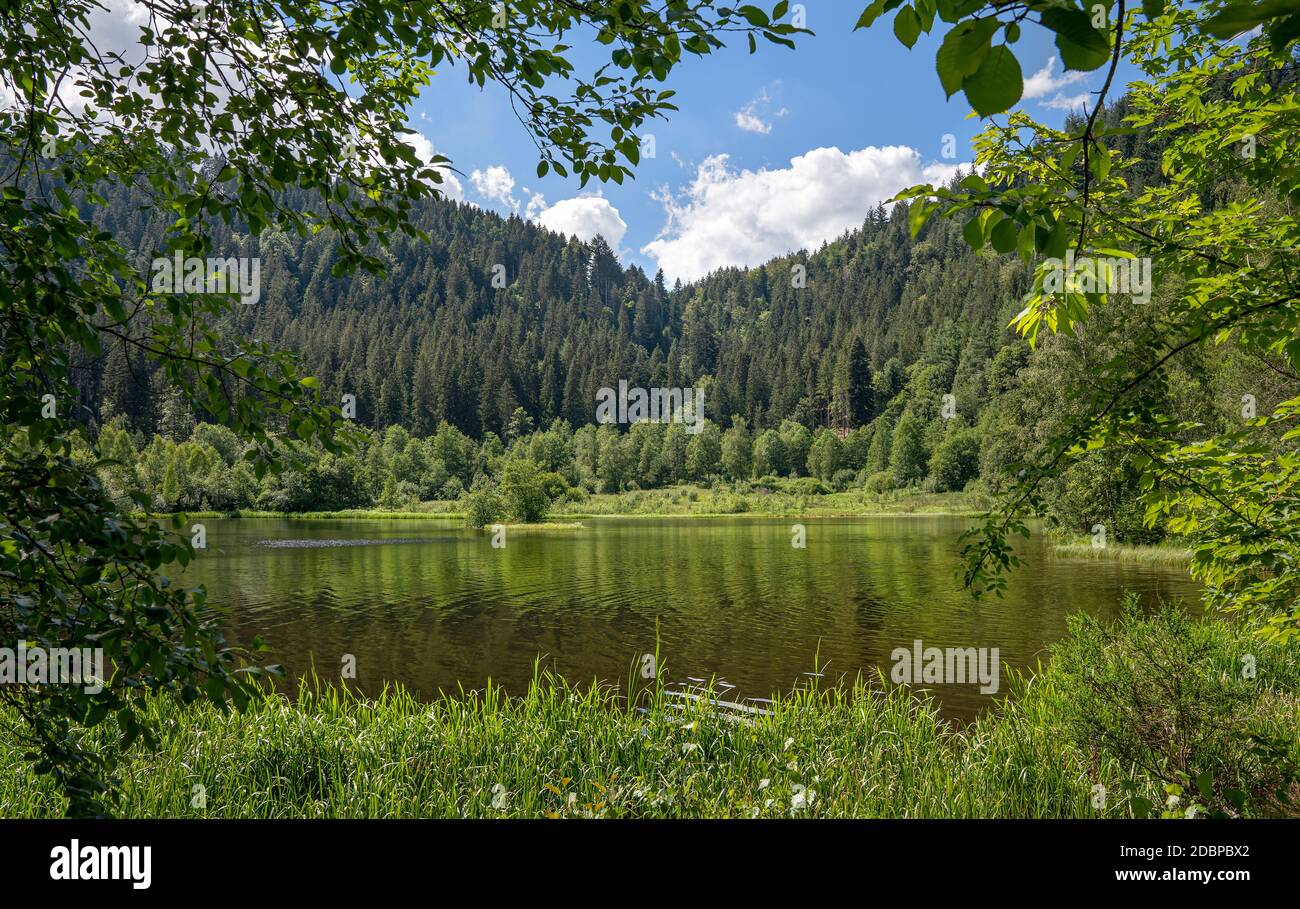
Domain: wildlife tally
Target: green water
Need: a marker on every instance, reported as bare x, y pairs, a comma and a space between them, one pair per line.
432, 604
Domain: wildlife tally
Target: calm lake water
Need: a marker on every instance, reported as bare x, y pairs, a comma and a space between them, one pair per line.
432, 605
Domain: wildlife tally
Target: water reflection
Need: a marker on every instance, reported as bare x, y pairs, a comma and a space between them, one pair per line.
731, 595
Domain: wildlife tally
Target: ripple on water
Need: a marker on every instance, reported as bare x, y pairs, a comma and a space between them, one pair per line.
321, 544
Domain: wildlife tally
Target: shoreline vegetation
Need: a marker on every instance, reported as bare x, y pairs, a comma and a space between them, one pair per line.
1064, 744
675, 501
1165, 554
687, 501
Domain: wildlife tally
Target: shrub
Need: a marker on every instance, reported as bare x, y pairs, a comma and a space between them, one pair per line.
554, 485
880, 482
844, 479
806, 486
523, 491
729, 503
483, 504
1170, 699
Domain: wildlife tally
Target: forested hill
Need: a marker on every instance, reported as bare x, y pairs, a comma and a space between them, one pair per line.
434, 340
900, 344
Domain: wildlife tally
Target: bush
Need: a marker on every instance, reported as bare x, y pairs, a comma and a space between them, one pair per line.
554, 485
1170, 699
1102, 488
729, 503
806, 486
881, 482
523, 491
844, 479
483, 504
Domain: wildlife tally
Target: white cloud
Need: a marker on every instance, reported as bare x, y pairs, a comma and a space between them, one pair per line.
584, 217
450, 186
750, 117
1066, 102
743, 218
1043, 82
496, 185
536, 205
751, 123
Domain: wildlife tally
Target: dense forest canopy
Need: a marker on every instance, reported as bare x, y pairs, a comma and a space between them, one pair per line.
880, 360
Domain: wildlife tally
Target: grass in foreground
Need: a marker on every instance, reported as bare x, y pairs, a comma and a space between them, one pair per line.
1151, 709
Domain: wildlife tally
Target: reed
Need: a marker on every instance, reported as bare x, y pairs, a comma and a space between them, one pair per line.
857, 749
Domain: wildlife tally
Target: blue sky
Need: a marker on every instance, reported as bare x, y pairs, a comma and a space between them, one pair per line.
769, 152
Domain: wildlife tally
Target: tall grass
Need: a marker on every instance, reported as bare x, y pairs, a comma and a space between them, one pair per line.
565, 750
1163, 554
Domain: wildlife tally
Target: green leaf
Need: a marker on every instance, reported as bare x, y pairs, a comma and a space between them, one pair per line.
870, 14
1282, 33
1243, 16
963, 50
973, 233
907, 26
1025, 243
1205, 784
998, 83
1058, 238
1003, 236
1082, 47
918, 214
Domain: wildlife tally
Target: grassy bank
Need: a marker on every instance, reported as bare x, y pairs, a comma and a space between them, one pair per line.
425, 511
782, 500
1164, 554
857, 751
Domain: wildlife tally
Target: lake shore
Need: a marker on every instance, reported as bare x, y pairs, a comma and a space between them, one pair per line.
675, 502
869, 749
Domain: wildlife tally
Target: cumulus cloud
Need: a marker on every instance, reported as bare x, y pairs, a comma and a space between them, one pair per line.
583, 217
1047, 82
743, 218
496, 185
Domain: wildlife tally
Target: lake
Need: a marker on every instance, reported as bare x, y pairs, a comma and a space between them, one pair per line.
431, 604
